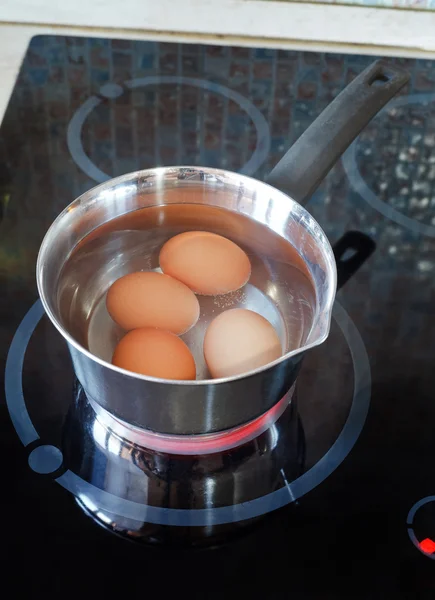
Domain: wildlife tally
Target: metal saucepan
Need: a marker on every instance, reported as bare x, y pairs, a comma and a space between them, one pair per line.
72, 285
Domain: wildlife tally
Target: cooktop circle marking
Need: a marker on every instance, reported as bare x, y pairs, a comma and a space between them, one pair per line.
410, 522
13, 375
113, 90
207, 516
359, 184
45, 459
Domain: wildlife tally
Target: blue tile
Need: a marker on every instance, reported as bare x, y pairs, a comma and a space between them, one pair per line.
261, 89
212, 158
103, 149
38, 76
99, 43
99, 76
264, 53
56, 56
38, 41
188, 121
237, 124
147, 61
54, 40
278, 144
144, 48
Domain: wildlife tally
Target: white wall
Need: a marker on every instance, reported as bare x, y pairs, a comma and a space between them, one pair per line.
298, 25
296, 21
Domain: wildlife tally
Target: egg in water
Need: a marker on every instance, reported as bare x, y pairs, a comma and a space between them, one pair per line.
150, 299
209, 264
155, 353
238, 341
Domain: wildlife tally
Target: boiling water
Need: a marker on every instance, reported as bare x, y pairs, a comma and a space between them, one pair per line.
279, 289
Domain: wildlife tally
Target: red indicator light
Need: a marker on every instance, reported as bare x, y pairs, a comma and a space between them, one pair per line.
428, 546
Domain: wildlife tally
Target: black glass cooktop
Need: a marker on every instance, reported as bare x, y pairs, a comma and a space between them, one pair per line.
353, 513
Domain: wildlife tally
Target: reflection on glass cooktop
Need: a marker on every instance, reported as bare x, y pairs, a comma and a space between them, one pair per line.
349, 512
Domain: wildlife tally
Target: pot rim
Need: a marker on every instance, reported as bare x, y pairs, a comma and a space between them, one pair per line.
45, 248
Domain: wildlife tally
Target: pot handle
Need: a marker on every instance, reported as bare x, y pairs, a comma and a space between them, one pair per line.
311, 157
350, 252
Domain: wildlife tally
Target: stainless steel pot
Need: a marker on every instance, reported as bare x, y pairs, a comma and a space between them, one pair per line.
206, 406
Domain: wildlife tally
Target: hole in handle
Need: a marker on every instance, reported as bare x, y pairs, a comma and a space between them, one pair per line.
379, 79
348, 254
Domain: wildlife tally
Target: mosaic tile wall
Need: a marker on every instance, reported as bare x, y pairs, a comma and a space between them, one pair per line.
162, 124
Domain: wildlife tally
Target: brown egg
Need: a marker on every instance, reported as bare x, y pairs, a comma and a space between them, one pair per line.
149, 299
238, 341
207, 263
156, 353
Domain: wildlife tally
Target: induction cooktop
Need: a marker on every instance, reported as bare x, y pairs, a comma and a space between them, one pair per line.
353, 511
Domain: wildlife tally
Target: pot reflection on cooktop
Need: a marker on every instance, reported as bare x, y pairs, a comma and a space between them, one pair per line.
152, 487
138, 491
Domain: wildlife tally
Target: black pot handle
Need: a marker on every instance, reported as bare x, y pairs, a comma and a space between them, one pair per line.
311, 157
351, 251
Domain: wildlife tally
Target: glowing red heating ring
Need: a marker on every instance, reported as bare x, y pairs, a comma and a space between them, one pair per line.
207, 443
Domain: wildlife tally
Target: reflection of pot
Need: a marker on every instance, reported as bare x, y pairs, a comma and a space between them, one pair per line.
204, 406
94, 448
